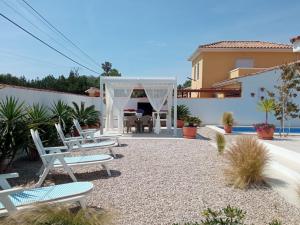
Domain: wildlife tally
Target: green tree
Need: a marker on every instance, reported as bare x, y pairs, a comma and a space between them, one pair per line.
106, 66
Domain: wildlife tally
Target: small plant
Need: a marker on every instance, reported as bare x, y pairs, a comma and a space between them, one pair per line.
227, 119
247, 160
266, 106
61, 113
182, 112
58, 215
226, 216
221, 142
192, 121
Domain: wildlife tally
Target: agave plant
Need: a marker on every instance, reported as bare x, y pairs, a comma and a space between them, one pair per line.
13, 134
85, 115
61, 113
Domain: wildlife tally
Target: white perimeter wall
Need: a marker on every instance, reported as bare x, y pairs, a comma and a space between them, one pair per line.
210, 110
245, 108
47, 98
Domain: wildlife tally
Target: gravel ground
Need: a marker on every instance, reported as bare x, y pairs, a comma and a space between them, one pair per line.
167, 181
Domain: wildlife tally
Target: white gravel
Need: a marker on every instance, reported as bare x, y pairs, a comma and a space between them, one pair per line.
168, 181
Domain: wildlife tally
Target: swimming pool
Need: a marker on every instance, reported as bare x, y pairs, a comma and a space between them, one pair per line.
250, 129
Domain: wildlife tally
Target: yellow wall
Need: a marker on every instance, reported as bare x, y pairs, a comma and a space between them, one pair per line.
216, 66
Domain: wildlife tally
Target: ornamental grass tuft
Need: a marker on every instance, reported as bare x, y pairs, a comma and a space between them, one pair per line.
246, 161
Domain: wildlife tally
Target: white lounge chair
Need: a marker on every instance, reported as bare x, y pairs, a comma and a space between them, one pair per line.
90, 134
74, 143
14, 199
55, 159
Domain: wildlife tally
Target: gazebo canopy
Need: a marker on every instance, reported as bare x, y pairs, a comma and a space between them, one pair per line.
118, 91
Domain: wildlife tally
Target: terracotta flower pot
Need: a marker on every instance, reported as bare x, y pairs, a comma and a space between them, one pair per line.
265, 134
189, 132
228, 129
180, 123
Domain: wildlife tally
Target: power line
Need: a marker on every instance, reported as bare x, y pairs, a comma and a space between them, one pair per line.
41, 30
40, 40
59, 32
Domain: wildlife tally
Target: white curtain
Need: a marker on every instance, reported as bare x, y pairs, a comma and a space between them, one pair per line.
118, 98
157, 95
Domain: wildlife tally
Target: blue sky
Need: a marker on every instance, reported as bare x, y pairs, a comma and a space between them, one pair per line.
139, 37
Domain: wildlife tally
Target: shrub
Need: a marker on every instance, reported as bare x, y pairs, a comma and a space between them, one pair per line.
58, 215
226, 216
221, 142
61, 113
85, 115
182, 112
246, 161
227, 119
13, 134
192, 121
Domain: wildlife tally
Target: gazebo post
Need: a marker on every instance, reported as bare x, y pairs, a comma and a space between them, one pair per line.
175, 107
101, 106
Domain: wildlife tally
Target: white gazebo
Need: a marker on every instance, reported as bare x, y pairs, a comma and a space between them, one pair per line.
118, 91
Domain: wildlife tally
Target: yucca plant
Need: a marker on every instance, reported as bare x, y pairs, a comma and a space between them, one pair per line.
247, 159
85, 115
61, 113
221, 142
266, 106
13, 134
182, 112
58, 215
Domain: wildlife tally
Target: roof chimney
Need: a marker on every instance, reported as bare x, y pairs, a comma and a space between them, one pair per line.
296, 43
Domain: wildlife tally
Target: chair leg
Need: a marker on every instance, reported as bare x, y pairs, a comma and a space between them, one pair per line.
112, 152
43, 177
107, 170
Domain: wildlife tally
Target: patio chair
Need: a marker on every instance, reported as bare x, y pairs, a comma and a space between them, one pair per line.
73, 143
89, 134
14, 199
129, 122
55, 158
147, 122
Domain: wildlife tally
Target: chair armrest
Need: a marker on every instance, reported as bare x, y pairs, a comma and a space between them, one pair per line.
55, 154
10, 191
74, 138
87, 132
56, 149
9, 175
90, 130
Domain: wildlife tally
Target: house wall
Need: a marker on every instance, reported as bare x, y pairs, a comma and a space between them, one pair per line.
47, 98
244, 109
217, 65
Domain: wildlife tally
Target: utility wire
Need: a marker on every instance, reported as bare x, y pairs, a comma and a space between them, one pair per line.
54, 49
59, 32
44, 32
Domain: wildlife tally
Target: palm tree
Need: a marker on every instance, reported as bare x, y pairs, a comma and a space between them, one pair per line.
267, 106
106, 66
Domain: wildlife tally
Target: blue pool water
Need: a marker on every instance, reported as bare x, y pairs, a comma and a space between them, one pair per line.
250, 129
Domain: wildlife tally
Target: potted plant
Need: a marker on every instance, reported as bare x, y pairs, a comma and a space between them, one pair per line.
265, 130
227, 121
190, 127
182, 112
13, 134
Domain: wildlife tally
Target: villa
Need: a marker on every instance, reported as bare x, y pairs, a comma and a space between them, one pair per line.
215, 62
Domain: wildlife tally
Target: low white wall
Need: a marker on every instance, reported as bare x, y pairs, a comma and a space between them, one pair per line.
244, 109
47, 98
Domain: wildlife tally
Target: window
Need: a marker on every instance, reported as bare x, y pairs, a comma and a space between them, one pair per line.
244, 63
197, 71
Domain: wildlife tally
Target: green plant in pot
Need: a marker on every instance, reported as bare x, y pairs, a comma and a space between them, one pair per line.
190, 127
182, 112
221, 142
265, 130
38, 118
13, 135
227, 120
86, 116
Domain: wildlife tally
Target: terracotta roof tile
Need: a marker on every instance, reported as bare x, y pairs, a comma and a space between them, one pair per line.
246, 44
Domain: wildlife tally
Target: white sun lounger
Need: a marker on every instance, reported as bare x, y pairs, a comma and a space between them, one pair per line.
89, 134
78, 142
14, 199
55, 159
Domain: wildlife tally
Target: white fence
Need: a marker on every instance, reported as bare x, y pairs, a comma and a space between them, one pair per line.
47, 98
